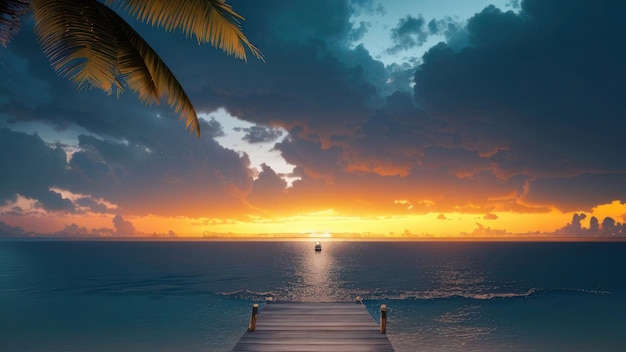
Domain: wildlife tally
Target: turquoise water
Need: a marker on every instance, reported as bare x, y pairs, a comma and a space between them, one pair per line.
196, 296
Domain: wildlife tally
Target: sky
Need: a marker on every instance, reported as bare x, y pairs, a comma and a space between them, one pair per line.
393, 118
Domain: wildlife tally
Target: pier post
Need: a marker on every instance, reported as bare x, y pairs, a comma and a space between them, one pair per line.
255, 311
383, 318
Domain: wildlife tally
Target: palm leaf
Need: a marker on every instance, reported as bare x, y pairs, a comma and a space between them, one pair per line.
210, 21
10, 13
90, 44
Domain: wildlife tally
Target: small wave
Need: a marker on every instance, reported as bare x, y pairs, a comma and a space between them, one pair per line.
249, 295
574, 291
447, 294
436, 295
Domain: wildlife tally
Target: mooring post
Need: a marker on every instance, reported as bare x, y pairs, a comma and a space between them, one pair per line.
383, 318
255, 311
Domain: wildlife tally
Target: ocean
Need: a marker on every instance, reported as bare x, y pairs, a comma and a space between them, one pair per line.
68, 295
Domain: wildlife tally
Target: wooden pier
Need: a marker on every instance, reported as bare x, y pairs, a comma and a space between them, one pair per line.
319, 327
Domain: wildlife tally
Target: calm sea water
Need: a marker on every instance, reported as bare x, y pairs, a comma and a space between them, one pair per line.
197, 296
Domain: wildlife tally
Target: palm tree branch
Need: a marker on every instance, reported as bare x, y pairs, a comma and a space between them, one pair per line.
210, 21
148, 76
11, 12
78, 41
90, 44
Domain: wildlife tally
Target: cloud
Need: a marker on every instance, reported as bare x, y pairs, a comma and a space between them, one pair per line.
268, 190
260, 134
536, 94
91, 205
172, 176
19, 88
483, 232
608, 228
312, 159
7, 230
410, 32
123, 227
74, 230
357, 33
367, 6
53, 201
576, 193
387, 144
490, 216
31, 168
455, 32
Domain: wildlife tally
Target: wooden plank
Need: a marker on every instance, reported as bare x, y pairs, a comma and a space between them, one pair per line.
308, 327
312, 348
319, 325
310, 341
320, 317
315, 334
298, 305
336, 328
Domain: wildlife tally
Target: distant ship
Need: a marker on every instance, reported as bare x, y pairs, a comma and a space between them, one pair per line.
318, 246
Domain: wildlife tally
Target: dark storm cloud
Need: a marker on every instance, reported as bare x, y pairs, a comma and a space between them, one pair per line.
390, 142
311, 158
52, 201
577, 193
540, 91
305, 85
268, 190
260, 134
30, 168
454, 31
17, 86
410, 32
161, 171
358, 33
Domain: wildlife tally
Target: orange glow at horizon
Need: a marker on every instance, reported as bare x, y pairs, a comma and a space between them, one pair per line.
323, 223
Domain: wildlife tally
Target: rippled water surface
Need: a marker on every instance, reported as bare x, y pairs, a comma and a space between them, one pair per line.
196, 296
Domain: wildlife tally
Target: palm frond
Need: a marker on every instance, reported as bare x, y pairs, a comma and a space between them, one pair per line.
210, 21
148, 76
90, 44
11, 12
77, 38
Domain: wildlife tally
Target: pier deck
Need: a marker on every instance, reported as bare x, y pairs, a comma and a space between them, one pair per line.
314, 327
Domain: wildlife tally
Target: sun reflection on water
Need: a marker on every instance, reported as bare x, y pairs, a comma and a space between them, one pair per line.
316, 278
